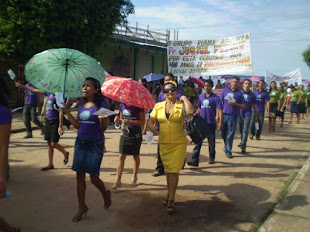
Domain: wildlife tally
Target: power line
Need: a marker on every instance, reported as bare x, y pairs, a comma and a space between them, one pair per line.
237, 23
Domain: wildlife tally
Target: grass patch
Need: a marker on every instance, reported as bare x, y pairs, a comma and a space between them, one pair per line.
287, 185
282, 197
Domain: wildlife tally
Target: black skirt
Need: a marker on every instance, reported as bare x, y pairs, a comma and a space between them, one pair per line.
51, 130
130, 141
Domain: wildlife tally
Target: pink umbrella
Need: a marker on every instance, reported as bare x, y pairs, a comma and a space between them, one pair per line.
254, 79
307, 81
198, 81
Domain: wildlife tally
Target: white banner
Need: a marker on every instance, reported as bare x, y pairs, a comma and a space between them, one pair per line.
291, 77
210, 57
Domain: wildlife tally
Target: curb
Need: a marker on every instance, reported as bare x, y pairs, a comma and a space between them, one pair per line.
291, 190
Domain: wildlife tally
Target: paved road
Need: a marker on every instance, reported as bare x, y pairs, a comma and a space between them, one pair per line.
231, 195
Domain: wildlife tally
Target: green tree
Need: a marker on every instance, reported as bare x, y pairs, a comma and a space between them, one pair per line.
306, 55
29, 27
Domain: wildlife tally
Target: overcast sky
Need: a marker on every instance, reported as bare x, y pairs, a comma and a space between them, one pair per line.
280, 29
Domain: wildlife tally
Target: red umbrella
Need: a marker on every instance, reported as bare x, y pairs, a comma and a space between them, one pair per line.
128, 91
198, 81
253, 79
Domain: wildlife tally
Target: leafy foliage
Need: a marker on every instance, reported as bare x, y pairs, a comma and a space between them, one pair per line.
306, 55
29, 27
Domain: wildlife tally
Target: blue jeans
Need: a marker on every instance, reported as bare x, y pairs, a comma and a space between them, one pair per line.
228, 131
211, 142
30, 114
261, 117
244, 125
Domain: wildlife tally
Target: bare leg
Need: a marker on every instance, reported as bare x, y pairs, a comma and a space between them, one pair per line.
61, 149
298, 117
270, 124
173, 183
50, 154
173, 179
119, 171
135, 169
80, 188
95, 180
291, 117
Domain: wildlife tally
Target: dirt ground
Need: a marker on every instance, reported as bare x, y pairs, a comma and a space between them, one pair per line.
230, 195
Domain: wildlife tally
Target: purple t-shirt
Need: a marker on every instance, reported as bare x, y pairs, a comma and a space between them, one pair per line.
236, 96
250, 99
130, 113
5, 115
89, 123
161, 96
261, 99
51, 113
208, 106
31, 98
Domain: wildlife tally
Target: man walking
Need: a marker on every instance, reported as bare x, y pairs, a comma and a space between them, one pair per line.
30, 111
210, 109
262, 99
245, 116
233, 101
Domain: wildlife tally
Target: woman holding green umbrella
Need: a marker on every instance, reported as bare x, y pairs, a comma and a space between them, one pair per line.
89, 143
51, 128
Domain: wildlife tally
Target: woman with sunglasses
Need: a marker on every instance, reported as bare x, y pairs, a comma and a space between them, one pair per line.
172, 139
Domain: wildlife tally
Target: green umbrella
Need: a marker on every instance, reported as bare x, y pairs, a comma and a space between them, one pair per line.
62, 70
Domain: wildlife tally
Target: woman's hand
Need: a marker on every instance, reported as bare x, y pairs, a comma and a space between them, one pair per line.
60, 131
117, 120
18, 84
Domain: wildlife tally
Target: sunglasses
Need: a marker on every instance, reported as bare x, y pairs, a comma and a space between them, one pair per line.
172, 89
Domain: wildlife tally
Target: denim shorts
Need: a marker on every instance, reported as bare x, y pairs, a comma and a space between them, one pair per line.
87, 156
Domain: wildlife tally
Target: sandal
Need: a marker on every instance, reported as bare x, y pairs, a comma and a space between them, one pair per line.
79, 215
170, 207
134, 182
107, 199
165, 200
66, 160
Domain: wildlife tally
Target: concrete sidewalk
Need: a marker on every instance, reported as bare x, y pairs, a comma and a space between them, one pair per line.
231, 195
293, 215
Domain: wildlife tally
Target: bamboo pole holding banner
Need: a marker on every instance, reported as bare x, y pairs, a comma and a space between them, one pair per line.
251, 60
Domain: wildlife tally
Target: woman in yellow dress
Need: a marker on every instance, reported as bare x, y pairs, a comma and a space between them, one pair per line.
172, 139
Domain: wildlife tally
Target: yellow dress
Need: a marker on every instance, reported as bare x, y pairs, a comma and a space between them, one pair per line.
172, 139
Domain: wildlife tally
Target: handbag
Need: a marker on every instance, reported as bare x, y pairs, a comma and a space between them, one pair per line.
197, 129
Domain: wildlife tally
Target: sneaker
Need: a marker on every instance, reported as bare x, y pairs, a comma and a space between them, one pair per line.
211, 161
28, 137
229, 155
252, 137
239, 145
158, 173
243, 150
257, 138
191, 163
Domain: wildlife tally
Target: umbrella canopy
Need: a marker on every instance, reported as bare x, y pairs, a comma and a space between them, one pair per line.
227, 76
254, 79
62, 70
307, 81
198, 81
153, 77
128, 91
107, 74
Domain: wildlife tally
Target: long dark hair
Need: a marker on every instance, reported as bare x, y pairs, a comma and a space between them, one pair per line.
4, 93
98, 97
270, 89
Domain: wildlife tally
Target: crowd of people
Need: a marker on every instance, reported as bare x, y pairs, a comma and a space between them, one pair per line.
245, 104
